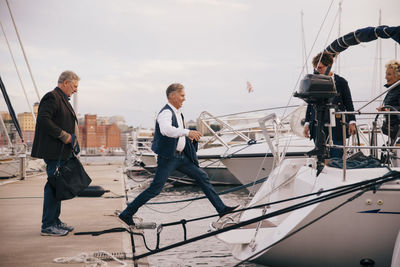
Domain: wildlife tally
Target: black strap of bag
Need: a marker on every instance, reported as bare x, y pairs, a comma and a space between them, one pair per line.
75, 150
71, 178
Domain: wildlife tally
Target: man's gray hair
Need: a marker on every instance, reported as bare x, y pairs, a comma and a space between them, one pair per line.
68, 76
174, 88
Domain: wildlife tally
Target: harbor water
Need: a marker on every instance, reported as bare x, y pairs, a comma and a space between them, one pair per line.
205, 252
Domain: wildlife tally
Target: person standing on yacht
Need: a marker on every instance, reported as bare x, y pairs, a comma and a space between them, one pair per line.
343, 101
56, 122
174, 147
392, 99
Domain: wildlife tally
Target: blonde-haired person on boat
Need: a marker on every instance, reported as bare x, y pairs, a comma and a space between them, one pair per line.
391, 102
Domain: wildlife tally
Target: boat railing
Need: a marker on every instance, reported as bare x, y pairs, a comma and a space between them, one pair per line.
205, 118
240, 128
388, 146
143, 146
268, 138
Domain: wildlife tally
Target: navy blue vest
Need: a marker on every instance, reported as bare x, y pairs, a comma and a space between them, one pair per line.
166, 146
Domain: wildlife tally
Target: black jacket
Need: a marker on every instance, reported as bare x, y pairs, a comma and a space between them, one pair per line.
54, 115
392, 100
342, 101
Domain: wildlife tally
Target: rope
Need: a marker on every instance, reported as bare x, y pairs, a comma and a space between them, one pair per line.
173, 211
345, 187
131, 234
308, 56
219, 193
252, 192
119, 230
303, 227
23, 50
364, 186
89, 259
369, 185
18, 73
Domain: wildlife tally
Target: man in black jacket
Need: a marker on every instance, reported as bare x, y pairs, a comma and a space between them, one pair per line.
343, 102
55, 124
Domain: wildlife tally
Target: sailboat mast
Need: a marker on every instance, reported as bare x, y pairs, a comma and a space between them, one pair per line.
380, 53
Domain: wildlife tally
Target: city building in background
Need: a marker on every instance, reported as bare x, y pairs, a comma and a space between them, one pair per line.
98, 138
27, 124
97, 135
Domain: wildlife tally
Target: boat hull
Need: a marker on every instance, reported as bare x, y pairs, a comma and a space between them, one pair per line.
344, 238
363, 229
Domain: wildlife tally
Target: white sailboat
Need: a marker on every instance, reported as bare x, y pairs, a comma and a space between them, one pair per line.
309, 214
251, 159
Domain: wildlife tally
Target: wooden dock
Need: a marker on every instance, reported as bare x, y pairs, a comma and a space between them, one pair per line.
20, 222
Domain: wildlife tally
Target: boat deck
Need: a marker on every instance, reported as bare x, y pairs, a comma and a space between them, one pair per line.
20, 222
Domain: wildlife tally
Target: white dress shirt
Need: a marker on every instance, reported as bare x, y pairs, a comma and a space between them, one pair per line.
164, 120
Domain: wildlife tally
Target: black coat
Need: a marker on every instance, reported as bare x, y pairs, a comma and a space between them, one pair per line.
54, 115
342, 101
392, 101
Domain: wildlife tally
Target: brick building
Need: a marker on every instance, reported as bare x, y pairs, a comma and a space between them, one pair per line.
96, 138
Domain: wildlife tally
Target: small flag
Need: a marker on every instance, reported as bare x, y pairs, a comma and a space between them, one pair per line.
249, 87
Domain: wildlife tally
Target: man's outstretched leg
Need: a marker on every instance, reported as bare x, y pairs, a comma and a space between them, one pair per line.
201, 177
164, 169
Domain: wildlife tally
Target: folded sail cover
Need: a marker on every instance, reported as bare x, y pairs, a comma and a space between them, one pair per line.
363, 35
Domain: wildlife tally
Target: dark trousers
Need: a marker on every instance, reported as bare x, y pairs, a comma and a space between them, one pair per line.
165, 167
51, 206
334, 152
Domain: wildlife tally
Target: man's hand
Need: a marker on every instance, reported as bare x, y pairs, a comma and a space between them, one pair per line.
352, 129
306, 131
194, 135
381, 108
69, 139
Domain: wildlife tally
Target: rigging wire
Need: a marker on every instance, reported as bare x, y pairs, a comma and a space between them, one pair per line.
365, 186
23, 51
303, 44
338, 61
173, 211
131, 235
309, 53
329, 34
304, 226
18, 73
203, 197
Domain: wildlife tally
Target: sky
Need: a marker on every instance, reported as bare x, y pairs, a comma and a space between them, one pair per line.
127, 52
